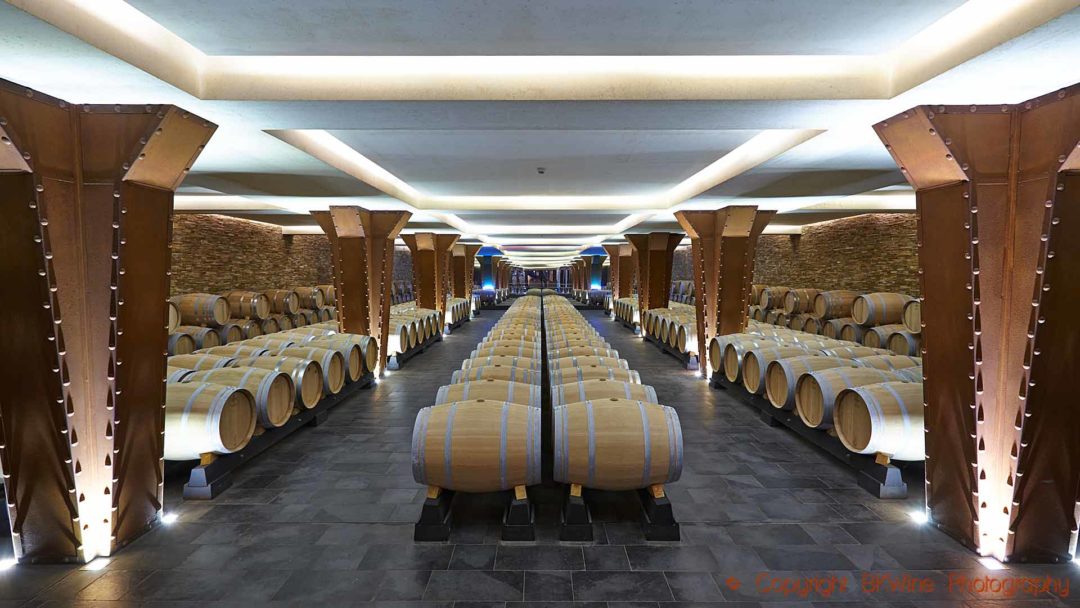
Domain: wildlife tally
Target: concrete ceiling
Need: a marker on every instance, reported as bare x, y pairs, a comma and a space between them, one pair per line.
422, 104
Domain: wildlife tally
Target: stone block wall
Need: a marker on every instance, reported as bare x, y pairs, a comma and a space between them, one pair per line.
213, 253
871, 252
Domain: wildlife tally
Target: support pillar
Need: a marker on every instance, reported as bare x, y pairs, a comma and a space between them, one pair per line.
363, 244
654, 251
594, 271
431, 264
613, 273
86, 194
723, 243
462, 270
998, 199
488, 274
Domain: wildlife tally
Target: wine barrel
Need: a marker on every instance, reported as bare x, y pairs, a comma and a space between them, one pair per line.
834, 304
781, 375
601, 388
912, 316
755, 292
800, 300
201, 362
329, 294
477, 446
813, 325
584, 361
353, 354
330, 362
616, 444
177, 374
734, 350
310, 297
884, 418
180, 344
249, 327
202, 309
284, 322
797, 321
772, 317
567, 375
325, 314
230, 332
283, 301
206, 418
852, 332
831, 328
528, 352
269, 326
204, 337
299, 319
904, 343
581, 351
306, 375
772, 297
756, 361
878, 336
403, 335
685, 340
247, 304
496, 372
525, 362
369, 347
235, 350
910, 374
816, 392
563, 343
174, 316
520, 393
889, 362
879, 308
853, 352
272, 390
272, 342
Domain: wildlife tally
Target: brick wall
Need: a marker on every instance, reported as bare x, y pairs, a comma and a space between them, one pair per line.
872, 252
213, 253
402, 264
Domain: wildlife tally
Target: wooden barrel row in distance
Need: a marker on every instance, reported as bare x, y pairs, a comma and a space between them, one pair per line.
520, 393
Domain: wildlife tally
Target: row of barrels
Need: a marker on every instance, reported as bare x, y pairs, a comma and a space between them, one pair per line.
218, 398
869, 398
682, 292
879, 320
626, 310
675, 325
185, 339
411, 326
496, 396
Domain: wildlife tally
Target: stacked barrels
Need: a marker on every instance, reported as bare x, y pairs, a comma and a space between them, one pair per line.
869, 398
626, 310
675, 326
412, 326
203, 320
219, 397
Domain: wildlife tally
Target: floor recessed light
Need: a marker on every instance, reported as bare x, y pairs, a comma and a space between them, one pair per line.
918, 517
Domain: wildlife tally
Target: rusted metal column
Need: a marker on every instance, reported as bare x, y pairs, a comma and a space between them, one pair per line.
431, 257
654, 252
86, 193
363, 244
464, 257
613, 273
723, 242
627, 270
998, 197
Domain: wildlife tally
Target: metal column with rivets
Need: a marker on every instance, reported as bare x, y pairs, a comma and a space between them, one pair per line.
431, 265
723, 243
654, 251
998, 191
86, 193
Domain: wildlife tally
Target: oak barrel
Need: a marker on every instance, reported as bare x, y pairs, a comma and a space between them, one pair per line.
616, 444
524, 362
527, 351
800, 300
177, 374
497, 372
889, 362
520, 393
910, 374
174, 315
269, 325
202, 309
584, 361
853, 352
230, 332
781, 375
831, 328
369, 347
581, 351
879, 308
201, 362
772, 297
477, 446
250, 327
330, 294
852, 332
310, 297
204, 337
235, 350
351, 353
180, 344
884, 418
283, 301
247, 304
206, 418
878, 337
601, 388
904, 342
731, 359
912, 316
834, 304
283, 321
567, 375
272, 390
816, 392
306, 375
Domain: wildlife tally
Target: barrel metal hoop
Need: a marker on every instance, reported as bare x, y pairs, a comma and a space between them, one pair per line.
419, 445
646, 470
448, 445
503, 424
591, 427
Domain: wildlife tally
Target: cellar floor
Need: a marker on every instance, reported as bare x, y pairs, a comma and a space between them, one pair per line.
325, 518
